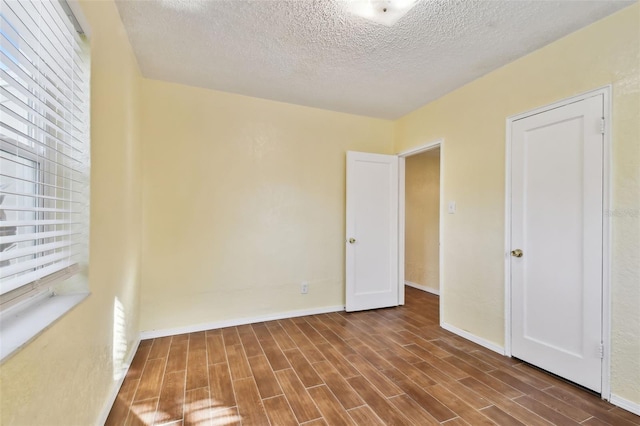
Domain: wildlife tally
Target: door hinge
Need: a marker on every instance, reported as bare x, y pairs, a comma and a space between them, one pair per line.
602, 125
601, 350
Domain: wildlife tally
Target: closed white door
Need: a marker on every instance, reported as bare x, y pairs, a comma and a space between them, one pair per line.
556, 258
372, 231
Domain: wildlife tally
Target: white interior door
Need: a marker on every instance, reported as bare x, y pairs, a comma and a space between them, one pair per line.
372, 231
556, 284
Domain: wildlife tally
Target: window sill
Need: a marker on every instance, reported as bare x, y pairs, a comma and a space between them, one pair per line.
17, 329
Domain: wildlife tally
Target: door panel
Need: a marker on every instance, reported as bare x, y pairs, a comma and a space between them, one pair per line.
372, 228
557, 222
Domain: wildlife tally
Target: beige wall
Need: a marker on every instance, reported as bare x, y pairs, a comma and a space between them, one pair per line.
66, 375
243, 200
422, 219
472, 122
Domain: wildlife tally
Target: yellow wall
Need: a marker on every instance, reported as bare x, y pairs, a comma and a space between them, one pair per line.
66, 375
472, 122
243, 200
422, 219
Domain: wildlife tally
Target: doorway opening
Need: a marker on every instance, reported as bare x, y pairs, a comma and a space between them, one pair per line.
420, 222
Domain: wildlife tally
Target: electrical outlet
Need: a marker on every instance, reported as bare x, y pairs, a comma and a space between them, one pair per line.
304, 287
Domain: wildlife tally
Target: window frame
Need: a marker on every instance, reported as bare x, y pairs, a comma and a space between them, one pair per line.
45, 300
29, 153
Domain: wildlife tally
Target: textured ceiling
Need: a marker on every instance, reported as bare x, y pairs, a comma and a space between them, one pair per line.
312, 52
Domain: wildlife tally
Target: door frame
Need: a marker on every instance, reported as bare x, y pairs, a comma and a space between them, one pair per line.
438, 143
605, 91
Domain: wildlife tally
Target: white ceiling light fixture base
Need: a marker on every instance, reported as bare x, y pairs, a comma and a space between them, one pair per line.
385, 12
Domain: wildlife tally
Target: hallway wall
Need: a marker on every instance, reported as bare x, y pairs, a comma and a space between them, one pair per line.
422, 220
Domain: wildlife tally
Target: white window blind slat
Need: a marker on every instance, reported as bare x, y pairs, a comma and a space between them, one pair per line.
28, 265
16, 178
48, 167
38, 209
62, 36
63, 30
22, 280
38, 99
15, 111
64, 23
39, 236
40, 84
43, 79
35, 100
19, 134
44, 197
45, 75
44, 147
39, 287
42, 48
73, 174
36, 249
48, 159
36, 223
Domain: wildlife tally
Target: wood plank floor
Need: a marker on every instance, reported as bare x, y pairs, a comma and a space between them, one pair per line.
386, 367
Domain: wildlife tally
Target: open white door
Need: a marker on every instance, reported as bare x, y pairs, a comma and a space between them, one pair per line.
557, 242
372, 231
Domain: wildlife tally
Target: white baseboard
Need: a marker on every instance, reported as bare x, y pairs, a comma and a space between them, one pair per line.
472, 337
422, 287
102, 418
152, 334
625, 404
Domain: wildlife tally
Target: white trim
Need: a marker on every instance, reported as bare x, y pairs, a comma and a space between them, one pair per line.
422, 287
401, 225
472, 337
507, 239
606, 243
605, 91
625, 404
106, 409
438, 143
440, 238
421, 148
152, 334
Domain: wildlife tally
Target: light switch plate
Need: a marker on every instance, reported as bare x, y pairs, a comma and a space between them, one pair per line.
452, 207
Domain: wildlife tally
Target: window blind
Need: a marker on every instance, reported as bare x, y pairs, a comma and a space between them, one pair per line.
44, 147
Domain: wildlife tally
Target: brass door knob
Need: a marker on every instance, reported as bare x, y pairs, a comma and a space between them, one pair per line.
352, 240
517, 253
